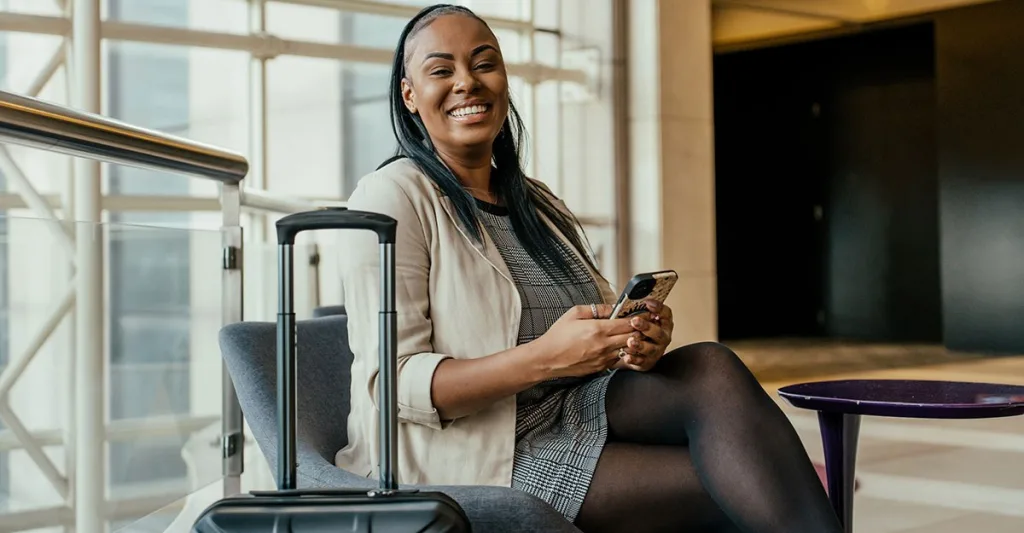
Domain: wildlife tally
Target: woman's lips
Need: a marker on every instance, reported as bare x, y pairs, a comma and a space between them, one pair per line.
470, 114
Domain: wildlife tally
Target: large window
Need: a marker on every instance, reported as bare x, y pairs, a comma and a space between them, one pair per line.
149, 271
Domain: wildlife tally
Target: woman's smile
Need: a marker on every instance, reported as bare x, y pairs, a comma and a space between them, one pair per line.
472, 112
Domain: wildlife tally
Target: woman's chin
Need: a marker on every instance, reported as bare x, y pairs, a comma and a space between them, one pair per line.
474, 137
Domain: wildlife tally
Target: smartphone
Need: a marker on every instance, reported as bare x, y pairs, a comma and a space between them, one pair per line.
643, 287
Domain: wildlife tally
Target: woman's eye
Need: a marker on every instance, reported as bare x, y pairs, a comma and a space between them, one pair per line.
440, 72
485, 65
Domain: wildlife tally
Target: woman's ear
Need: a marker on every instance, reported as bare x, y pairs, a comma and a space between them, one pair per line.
408, 97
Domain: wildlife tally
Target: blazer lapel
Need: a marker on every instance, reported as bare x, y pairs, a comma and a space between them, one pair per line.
487, 249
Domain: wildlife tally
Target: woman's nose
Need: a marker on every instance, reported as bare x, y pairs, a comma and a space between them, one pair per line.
465, 81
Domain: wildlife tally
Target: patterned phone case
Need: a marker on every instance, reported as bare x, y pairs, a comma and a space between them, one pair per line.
663, 282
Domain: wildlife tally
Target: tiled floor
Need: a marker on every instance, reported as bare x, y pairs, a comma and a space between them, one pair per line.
934, 476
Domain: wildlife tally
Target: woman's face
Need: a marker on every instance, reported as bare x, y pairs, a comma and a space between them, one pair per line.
456, 82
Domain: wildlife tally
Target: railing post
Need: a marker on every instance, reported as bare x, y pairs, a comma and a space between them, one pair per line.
90, 385
232, 282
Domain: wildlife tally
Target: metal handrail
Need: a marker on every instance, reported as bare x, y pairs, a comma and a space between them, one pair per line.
56, 128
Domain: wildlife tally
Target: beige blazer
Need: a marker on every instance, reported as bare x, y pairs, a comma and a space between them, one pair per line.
454, 299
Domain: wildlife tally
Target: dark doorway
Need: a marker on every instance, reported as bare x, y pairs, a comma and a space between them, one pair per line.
827, 187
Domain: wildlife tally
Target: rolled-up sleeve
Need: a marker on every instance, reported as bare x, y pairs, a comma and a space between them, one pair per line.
359, 259
414, 396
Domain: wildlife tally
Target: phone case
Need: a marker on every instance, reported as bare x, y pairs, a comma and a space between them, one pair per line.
628, 306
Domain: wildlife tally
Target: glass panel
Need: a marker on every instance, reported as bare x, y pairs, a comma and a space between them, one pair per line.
23, 56
602, 242
375, 31
198, 93
546, 14
547, 136
304, 127
548, 49
368, 137
229, 16
34, 7
506, 9
303, 23
514, 47
261, 278
163, 383
521, 94
34, 287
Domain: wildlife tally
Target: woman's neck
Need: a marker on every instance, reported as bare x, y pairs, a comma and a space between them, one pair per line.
474, 173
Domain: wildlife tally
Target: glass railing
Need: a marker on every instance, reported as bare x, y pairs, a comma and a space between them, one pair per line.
261, 279
161, 372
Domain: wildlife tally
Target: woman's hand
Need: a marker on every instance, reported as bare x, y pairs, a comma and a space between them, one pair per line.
579, 345
653, 334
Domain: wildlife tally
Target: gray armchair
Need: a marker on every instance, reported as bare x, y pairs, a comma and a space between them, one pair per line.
324, 359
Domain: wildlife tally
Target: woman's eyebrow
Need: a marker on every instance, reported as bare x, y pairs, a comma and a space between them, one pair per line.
451, 57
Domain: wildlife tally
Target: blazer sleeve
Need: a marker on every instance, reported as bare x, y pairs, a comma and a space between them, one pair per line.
360, 273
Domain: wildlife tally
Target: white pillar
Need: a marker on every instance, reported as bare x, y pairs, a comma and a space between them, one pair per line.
672, 183
90, 383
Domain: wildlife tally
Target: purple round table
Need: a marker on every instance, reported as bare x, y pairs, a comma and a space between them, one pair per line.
840, 404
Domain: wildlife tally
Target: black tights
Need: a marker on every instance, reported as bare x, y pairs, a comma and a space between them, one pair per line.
697, 445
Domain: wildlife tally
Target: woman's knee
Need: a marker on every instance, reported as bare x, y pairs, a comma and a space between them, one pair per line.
705, 362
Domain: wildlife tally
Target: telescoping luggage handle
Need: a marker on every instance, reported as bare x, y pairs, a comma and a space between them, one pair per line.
336, 218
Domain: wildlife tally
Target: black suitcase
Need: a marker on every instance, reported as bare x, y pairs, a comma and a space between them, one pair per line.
289, 509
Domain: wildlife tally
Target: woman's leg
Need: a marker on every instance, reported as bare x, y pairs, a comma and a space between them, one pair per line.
746, 454
645, 488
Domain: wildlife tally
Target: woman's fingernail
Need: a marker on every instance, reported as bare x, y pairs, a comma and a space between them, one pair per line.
637, 322
654, 305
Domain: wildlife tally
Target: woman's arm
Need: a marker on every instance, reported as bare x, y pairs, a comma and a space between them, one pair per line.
433, 388
462, 387
575, 345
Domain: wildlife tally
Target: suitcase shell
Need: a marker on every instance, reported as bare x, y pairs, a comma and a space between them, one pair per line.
288, 509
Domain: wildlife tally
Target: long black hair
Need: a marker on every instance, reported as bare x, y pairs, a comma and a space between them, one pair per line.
522, 197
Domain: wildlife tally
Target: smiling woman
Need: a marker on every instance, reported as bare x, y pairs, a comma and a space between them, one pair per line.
442, 74
511, 372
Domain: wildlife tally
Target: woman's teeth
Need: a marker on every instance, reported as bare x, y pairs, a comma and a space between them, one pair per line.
470, 110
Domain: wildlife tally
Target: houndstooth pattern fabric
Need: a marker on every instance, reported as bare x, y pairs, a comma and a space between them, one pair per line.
561, 426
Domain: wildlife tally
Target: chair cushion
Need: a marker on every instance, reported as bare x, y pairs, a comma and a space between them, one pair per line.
249, 350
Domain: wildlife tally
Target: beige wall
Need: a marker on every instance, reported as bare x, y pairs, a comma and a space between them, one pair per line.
671, 172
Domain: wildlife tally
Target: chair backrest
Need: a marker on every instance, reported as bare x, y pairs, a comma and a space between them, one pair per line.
249, 350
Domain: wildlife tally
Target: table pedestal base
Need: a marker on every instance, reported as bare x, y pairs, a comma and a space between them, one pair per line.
839, 434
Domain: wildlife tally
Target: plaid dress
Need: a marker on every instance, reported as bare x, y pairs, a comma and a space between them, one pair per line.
561, 426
